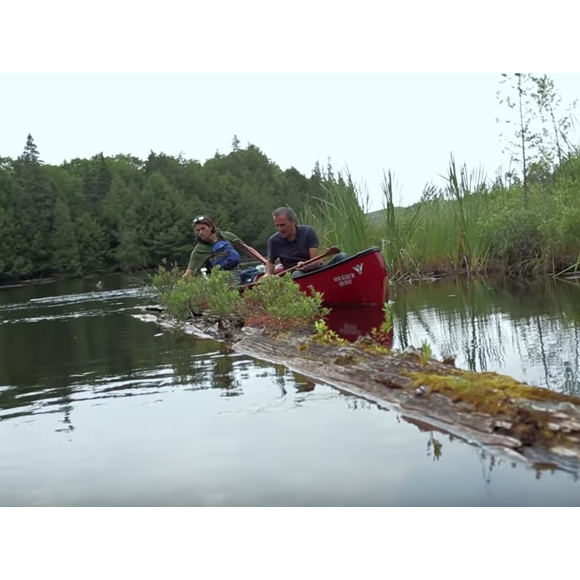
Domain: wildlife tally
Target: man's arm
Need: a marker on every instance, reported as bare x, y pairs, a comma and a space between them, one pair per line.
240, 246
251, 252
271, 259
312, 253
269, 268
312, 250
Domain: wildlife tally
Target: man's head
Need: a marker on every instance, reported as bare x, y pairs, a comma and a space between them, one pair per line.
285, 222
204, 227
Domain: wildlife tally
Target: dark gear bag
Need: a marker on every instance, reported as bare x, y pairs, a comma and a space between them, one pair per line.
224, 255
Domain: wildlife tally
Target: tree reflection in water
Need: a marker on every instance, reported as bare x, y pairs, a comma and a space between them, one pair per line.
528, 331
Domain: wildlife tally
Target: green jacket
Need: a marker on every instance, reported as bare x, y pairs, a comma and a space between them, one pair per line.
202, 250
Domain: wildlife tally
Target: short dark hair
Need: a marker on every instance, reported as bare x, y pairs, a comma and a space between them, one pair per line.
286, 212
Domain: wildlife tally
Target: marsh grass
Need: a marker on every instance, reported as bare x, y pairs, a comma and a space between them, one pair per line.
398, 229
470, 225
340, 215
467, 192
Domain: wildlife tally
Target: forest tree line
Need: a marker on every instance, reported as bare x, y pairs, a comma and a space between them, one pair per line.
121, 213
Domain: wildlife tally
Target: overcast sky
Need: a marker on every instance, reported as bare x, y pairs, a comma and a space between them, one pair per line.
409, 123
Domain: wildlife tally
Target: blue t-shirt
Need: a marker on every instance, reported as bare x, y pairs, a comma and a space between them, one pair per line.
292, 252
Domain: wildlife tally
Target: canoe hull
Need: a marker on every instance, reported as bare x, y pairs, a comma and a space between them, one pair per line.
361, 279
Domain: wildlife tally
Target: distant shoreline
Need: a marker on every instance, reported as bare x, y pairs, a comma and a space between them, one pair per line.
34, 281
38, 281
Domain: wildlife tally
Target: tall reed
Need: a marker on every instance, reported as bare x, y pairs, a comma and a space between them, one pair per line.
441, 232
340, 214
468, 192
398, 228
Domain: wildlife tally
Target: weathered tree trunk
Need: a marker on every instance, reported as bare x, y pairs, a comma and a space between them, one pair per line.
529, 424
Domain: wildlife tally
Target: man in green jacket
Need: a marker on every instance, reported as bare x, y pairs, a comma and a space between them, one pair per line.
208, 235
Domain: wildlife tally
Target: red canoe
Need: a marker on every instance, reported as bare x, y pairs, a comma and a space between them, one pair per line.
361, 279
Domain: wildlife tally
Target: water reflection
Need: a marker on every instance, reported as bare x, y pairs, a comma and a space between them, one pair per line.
434, 445
158, 419
351, 322
528, 331
58, 352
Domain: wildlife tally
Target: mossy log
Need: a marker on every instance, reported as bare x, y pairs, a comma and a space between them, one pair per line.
530, 424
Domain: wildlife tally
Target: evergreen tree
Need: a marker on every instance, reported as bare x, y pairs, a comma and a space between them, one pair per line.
65, 251
34, 202
97, 182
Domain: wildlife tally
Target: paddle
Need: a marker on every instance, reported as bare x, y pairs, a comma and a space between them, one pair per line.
330, 252
253, 253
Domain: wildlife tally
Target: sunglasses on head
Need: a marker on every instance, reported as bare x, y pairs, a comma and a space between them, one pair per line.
200, 220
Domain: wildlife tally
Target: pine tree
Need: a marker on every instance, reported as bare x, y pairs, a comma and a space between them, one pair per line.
65, 251
97, 182
35, 198
30, 153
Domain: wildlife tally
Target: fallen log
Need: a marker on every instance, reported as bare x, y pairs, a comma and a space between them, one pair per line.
529, 424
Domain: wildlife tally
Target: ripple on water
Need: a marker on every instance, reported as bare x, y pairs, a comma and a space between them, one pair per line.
38, 400
103, 296
134, 417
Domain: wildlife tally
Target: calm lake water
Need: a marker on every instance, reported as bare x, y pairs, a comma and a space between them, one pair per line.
98, 407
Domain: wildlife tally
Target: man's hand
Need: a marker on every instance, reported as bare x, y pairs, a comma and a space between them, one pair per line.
312, 265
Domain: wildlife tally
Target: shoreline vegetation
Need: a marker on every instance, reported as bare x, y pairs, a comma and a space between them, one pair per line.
122, 214
277, 323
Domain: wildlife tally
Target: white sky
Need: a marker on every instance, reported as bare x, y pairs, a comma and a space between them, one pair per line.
407, 122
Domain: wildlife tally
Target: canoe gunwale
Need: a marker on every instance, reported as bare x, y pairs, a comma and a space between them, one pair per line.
327, 267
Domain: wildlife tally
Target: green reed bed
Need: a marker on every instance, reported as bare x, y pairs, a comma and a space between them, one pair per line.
470, 225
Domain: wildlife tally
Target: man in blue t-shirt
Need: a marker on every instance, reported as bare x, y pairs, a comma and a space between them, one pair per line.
294, 244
